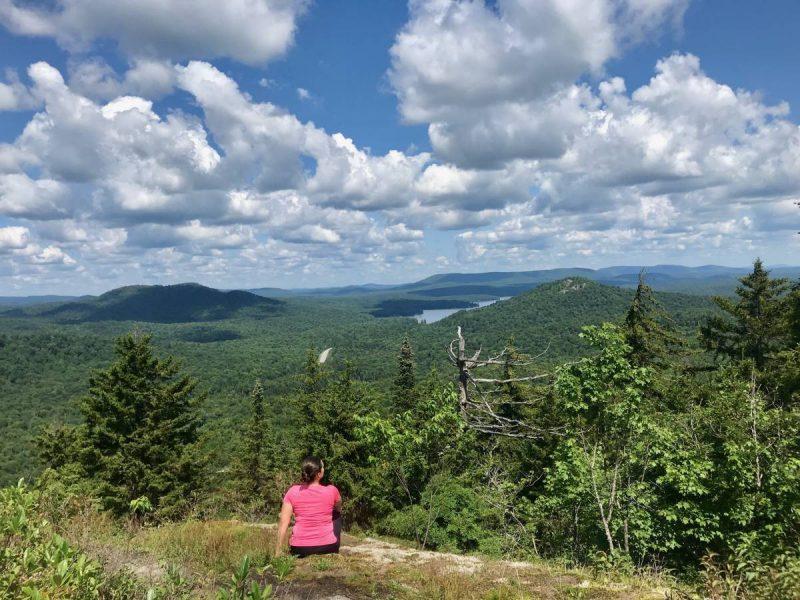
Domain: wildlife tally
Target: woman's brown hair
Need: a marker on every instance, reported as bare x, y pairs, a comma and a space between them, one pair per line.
310, 469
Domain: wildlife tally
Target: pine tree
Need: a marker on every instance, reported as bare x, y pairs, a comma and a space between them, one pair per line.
308, 404
336, 421
140, 430
405, 382
648, 330
754, 326
56, 445
257, 451
313, 374
793, 315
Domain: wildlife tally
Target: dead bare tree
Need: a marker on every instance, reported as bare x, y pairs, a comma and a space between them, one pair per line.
478, 396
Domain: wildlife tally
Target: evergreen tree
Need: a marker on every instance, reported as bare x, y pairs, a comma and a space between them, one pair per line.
308, 404
333, 418
140, 430
754, 326
256, 460
56, 445
793, 315
331, 434
405, 381
783, 376
648, 330
313, 374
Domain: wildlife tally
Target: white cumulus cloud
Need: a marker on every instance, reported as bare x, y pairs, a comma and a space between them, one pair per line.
251, 31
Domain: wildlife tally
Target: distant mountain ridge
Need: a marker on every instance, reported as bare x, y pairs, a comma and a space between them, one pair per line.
31, 300
181, 303
703, 280
470, 287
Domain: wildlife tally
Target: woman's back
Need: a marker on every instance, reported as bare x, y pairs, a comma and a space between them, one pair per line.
313, 506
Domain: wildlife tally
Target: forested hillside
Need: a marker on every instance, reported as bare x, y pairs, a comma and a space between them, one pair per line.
180, 303
551, 316
45, 362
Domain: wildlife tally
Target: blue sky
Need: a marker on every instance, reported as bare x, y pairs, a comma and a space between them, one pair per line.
323, 143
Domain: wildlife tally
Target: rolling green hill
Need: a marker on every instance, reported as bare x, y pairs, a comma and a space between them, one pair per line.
180, 303
551, 317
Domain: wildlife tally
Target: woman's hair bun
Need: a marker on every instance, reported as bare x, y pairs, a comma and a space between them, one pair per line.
310, 469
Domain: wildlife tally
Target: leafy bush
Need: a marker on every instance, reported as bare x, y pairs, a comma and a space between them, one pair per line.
35, 562
743, 576
450, 516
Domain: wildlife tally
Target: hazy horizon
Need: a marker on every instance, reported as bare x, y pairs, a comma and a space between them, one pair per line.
356, 284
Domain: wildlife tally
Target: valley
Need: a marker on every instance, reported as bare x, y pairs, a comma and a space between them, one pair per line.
48, 351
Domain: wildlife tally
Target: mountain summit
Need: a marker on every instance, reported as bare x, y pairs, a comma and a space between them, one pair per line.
181, 303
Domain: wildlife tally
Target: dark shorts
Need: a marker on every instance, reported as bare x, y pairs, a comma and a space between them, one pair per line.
303, 551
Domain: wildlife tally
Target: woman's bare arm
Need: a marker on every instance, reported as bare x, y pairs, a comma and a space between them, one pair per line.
284, 521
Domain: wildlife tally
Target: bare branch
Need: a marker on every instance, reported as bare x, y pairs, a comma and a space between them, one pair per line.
511, 380
481, 398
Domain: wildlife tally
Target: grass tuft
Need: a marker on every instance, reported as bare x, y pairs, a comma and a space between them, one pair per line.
211, 546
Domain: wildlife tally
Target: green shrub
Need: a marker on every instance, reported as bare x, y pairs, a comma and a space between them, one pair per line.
282, 566
450, 516
242, 587
35, 562
745, 576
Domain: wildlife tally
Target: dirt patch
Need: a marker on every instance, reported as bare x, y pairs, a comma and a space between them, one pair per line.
383, 552
326, 587
116, 558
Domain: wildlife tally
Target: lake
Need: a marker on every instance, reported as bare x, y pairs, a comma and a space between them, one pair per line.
437, 314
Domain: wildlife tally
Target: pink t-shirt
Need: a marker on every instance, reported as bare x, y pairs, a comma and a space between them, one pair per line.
313, 514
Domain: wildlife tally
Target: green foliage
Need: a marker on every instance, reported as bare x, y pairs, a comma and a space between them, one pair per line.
741, 576
57, 445
282, 566
406, 380
551, 317
599, 465
175, 586
641, 455
754, 326
322, 564
180, 303
327, 412
140, 430
451, 515
242, 587
255, 463
648, 330
35, 562
754, 487
140, 505
309, 403
793, 314
407, 448
44, 365
408, 308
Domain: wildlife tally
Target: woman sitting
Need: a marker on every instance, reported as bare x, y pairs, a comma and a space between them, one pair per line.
316, 509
